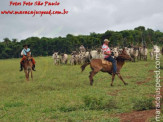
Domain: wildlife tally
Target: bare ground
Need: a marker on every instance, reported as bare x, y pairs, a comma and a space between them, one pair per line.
137, 116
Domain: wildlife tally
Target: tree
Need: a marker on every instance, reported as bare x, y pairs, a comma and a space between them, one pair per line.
116, 38
47, 46
140, 28
14, 40
6, 41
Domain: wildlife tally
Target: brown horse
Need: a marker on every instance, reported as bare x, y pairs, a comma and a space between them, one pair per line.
28, 66
105, 66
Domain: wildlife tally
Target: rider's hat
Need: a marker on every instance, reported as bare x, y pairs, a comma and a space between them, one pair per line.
106, 40
26, 45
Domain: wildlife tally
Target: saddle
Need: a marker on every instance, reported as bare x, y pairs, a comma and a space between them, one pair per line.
105, 62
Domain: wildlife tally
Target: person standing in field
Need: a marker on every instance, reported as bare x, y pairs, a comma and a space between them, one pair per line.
107, 55
24, 54
82, 48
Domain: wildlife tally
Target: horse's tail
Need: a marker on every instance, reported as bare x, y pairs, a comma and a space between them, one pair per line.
84, 65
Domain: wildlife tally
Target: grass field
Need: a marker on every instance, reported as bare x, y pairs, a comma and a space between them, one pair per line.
62, 93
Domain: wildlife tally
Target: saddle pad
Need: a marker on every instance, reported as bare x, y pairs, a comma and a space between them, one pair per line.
106, 62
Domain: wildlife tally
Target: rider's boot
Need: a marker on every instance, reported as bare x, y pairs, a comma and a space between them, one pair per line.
33, 67
21, 67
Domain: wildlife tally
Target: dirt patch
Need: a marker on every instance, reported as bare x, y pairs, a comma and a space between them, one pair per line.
146, 80
151, 71
137, 116
150, 74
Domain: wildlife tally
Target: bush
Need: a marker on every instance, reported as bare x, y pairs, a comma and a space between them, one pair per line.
95, 103
110, 104
143, 104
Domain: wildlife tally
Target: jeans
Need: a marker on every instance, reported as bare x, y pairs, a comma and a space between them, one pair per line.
111, 59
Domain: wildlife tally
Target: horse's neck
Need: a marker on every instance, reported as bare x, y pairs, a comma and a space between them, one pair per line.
120, 63
27, 63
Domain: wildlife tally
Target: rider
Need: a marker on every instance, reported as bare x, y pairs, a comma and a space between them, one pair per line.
82, 48
24, 54
107, 55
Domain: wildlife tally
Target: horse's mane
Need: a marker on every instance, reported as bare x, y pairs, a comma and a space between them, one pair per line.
120, 57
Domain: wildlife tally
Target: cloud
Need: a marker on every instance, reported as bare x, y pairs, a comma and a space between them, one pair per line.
84, 16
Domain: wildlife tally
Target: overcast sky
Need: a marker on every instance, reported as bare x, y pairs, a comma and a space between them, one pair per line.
84, 16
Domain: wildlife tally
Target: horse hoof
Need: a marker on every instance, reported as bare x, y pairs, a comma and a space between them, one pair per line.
111, 84
126, 83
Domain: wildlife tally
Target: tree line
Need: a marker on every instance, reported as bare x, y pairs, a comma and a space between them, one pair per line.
46, 46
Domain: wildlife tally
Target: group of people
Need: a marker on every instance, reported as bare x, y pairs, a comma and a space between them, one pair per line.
105, 48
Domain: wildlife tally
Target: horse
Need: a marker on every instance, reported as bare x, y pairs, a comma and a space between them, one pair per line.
57, 59
105, 66
28, 66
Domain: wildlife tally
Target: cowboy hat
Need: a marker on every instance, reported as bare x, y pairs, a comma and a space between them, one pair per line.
26, 45
106, 40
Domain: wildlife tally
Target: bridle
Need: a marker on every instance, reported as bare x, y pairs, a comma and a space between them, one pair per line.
28, 56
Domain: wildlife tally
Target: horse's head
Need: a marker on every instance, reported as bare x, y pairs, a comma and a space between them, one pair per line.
55, 55
123, 56
29, 56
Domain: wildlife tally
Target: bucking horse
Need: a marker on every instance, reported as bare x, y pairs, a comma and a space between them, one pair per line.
105, 66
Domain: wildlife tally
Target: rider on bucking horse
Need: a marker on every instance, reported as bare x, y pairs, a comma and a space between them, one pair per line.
107, 55
24, 54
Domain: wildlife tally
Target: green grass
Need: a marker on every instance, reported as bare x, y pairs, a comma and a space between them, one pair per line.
63, 93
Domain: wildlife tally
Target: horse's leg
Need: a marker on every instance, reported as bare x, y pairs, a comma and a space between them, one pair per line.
56, 62
26, 74
92, 73
31, 75
90, 78
119, 75
113, 76
134, 59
